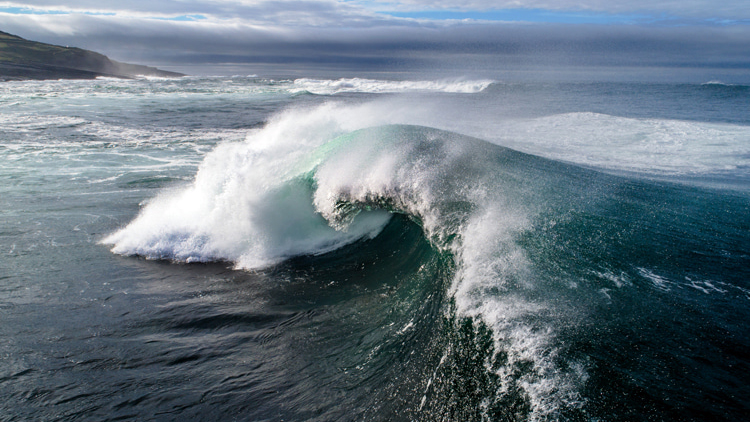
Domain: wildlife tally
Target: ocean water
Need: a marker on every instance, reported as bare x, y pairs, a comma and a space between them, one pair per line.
252, 249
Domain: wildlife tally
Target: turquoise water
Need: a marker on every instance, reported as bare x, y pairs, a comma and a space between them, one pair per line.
257, 249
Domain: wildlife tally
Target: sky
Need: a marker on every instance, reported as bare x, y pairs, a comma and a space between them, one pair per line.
479, 36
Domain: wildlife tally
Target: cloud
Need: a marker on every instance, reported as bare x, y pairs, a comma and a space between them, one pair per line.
703, 9
285, 12
395, 43
343, 12
350, 36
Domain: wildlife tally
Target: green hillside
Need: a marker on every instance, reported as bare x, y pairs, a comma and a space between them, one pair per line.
23, 59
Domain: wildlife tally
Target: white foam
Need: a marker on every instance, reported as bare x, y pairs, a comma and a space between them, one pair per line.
655, 146
662, 283
619, 280
26, 123
705, 286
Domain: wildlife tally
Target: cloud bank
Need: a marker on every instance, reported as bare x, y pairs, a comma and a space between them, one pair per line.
372, 35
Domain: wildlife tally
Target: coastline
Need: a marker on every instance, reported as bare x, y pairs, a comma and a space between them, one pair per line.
21, 59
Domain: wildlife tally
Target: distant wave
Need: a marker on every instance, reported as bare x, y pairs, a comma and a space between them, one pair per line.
158, 78
728, 85
329, 87
717, 82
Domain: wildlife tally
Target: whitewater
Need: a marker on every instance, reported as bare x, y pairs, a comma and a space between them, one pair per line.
369, 249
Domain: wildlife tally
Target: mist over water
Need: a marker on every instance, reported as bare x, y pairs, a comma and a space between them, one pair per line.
313, 249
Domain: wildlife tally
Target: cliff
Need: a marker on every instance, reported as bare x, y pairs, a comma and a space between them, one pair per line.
21, 59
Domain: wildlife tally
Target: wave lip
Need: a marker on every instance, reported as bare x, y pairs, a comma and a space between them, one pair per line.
330, 87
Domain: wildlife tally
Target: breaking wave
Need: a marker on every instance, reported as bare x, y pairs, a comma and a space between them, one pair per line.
534, 246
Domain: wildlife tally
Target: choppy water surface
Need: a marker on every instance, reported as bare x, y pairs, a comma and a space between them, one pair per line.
361, 249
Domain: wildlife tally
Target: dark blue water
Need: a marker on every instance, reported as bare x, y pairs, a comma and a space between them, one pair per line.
373, 250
